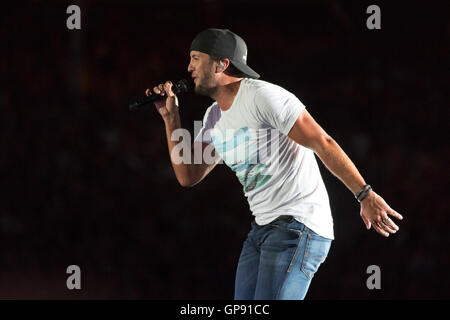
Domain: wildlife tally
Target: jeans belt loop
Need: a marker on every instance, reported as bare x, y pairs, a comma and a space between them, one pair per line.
286, 218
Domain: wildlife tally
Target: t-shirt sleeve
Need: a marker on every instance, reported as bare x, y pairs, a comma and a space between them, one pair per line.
278, 107
209, 120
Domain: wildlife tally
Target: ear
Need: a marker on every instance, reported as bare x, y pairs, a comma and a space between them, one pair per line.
223, 64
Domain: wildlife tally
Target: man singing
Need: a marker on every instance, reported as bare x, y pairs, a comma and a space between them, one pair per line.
268, 138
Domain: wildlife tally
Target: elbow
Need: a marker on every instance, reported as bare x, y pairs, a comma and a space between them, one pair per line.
328, 140
187, 178
186, 183
323, 143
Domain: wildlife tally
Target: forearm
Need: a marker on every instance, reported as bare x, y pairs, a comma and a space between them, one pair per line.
374, 210
182, 169
337, 161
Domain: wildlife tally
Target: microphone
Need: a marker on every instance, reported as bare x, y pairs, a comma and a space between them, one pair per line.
181, 86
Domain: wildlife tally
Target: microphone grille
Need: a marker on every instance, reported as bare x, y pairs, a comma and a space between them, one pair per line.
184, 85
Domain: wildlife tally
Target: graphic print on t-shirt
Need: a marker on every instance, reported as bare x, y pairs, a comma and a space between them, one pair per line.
236, 153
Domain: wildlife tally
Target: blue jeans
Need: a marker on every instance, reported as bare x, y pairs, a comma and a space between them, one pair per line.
278, 260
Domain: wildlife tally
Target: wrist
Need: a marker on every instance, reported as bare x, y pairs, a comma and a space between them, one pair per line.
172, 120
368, 199
363, 193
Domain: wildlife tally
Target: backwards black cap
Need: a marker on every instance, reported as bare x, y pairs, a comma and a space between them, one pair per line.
224, 44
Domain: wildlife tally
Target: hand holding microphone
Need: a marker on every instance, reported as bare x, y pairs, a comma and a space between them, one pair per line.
163, 97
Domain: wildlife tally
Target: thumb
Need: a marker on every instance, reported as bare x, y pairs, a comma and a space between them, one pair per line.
366, 222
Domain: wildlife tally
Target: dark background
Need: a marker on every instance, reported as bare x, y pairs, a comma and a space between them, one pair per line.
85, 181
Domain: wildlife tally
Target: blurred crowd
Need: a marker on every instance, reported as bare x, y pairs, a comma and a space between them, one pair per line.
85, 181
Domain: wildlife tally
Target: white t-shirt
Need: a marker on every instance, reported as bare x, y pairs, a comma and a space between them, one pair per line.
279, 176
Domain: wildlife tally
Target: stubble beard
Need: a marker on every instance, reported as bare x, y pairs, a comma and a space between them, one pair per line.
205, 86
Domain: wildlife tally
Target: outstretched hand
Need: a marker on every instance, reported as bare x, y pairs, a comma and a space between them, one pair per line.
375, 212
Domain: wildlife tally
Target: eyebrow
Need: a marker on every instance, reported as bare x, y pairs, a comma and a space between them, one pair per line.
195, 56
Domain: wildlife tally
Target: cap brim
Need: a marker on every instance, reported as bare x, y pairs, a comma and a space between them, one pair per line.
245, 69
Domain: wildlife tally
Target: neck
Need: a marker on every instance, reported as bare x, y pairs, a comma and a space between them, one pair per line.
226, 93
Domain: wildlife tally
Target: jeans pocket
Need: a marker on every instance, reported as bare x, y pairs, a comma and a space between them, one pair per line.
291, 226
316, 251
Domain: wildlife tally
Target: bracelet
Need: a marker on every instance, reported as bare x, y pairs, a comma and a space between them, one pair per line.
361, 191
361, 198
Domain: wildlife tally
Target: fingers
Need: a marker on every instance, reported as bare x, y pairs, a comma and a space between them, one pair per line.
381, 223
395, 214
388, 225
385, 226
380, 230
161, 89
157, 90
168, 88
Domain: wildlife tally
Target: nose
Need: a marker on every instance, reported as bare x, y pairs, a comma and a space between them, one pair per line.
190, 68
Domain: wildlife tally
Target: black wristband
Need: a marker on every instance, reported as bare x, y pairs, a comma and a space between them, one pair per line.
361, 191
364, 195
